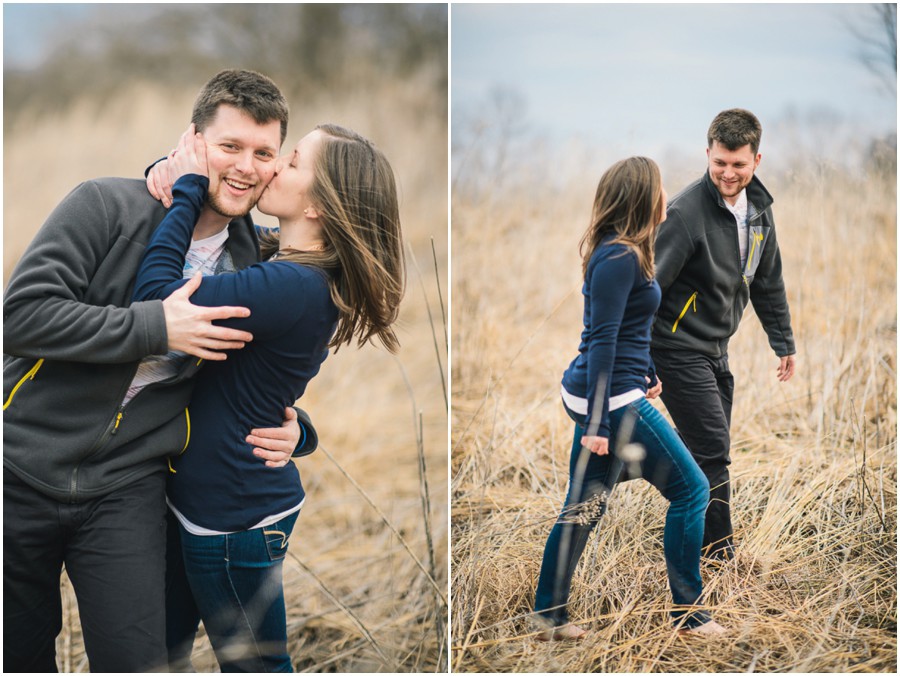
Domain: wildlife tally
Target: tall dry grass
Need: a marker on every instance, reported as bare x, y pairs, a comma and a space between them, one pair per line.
366, 576
813, 587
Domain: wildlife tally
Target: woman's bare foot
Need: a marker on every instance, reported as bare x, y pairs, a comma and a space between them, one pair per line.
711, 628
567, 632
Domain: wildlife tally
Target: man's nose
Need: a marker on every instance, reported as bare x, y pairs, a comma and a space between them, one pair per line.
244, 163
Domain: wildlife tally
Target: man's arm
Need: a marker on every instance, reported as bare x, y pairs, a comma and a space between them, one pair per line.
673, 249
44, 313
295, 438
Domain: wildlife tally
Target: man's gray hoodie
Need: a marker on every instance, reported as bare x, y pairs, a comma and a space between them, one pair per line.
72, 343
705, 288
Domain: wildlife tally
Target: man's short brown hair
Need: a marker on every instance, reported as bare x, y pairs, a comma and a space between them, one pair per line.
250, 92
735, 128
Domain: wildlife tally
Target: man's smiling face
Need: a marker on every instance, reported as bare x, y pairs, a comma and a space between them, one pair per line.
731, 170
241, 154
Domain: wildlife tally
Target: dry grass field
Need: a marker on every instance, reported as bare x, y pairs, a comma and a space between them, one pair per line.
366, 576
813, 587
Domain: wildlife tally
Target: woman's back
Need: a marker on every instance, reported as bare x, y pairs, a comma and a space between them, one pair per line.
218, 483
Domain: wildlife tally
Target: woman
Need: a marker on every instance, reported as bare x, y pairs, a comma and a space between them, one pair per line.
604, 391
334, 272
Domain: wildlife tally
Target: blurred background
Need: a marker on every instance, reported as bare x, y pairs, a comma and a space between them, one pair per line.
103, 90
605, 81
544, 99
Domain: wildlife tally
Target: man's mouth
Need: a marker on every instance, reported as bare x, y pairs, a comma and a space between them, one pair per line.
237, 185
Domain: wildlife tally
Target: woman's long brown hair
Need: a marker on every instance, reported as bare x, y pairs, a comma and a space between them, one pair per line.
356, 196
628, 202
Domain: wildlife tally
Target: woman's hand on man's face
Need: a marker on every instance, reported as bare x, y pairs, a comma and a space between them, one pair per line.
159, 184
189, 157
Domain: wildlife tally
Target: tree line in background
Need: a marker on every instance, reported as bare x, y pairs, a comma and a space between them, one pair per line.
301, 46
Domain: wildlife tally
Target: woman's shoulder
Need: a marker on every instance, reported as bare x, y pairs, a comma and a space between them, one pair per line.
307, 278
612, 253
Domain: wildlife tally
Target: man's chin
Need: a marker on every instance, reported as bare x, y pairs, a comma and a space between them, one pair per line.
231, 210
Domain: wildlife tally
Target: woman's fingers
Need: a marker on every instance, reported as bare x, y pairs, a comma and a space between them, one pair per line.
200, 153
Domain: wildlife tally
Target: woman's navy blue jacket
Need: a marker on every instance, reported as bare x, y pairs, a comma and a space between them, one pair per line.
614, 355
217, 482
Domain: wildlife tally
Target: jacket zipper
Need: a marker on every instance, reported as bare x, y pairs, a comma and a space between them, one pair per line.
692, 299
28, 376
757, 239
187, 417
111, 430
117, 420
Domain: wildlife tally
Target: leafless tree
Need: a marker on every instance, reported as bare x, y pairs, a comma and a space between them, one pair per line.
876, 31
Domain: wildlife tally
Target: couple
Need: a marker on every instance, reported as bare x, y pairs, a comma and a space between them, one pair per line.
93, 409
682, 294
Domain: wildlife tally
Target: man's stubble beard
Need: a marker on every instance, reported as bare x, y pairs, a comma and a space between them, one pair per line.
216, 205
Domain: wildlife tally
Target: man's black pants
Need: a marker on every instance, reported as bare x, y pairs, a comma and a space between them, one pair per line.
698, 392
113, 548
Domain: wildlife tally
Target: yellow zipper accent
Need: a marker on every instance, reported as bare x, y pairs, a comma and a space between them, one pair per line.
198, 362
187, 417
28, 376
118, 420
692, 299
757, 238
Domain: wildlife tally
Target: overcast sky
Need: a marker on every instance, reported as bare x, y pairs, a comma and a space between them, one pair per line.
645, 77
636, 78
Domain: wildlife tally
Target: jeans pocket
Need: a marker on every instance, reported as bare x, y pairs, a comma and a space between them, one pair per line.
277, 536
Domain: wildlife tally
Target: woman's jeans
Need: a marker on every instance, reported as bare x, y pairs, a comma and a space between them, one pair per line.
667, 465
233, 583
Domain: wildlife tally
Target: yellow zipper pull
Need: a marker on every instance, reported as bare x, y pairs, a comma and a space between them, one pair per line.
757, 239
692, 299
118, 420
28, 376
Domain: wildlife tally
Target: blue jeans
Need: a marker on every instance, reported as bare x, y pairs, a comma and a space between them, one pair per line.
668, 465
233, 583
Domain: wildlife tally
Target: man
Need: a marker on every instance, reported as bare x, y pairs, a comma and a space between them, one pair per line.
715, 251
87, 424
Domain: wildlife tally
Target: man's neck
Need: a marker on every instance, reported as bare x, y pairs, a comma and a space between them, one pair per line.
210, 223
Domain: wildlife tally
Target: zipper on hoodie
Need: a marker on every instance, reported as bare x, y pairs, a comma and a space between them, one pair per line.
28, 376
111, 430
692, 299
757, 239
113, 426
